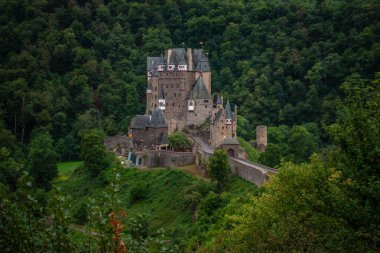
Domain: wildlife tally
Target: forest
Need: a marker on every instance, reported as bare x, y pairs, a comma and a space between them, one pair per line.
72, 72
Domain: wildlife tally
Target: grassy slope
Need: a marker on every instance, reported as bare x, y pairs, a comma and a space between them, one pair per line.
163, 204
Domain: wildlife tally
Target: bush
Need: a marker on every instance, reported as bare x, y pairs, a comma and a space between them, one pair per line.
138, 191
179, 141
81, 214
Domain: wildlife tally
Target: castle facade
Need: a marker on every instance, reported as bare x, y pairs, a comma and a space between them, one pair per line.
178, 97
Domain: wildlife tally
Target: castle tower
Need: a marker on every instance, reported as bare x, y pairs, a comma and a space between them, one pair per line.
261, 138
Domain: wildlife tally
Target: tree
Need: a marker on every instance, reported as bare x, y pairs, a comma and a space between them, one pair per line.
42, 160
301, 144
272, 155
93, 151
179, 141
300, 210
220, 170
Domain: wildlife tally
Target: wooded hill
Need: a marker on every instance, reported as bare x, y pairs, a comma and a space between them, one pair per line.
66, 66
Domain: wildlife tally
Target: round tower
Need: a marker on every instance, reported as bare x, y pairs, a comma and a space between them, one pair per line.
261, 138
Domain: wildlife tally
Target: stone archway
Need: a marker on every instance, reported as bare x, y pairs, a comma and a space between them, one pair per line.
231, 152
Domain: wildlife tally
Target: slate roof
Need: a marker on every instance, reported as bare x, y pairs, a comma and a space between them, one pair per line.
178, 57
157, 120
199, 90
219, 100
161, 60
228, 110
140, 122
151, 62
218, 114
201, 61
230, 141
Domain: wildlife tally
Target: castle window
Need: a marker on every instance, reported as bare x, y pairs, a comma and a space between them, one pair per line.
173, 104
206, 101
155, 88
155, 105
175, 95
166, 85
205, 106
177, 85
155, 96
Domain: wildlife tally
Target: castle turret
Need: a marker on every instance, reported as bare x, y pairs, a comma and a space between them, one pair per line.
161, 99
228, 113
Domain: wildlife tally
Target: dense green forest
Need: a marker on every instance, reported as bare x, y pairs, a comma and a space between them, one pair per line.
74, 71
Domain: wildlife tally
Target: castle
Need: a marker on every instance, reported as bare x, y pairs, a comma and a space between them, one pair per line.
179, 97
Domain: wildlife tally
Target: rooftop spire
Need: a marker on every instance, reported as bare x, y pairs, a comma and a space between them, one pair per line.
228, 110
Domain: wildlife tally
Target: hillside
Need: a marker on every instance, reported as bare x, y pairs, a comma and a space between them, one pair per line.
71, 65
74, 71
160, 199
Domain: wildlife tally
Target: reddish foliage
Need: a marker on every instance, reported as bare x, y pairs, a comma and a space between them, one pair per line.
117, 227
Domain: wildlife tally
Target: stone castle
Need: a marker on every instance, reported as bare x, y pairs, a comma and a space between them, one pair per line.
179, 98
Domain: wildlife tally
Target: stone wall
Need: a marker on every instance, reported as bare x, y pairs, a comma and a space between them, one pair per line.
120, 144
164, 158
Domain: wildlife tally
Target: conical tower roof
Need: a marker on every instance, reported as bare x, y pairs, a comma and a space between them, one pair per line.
199, 90
228, 110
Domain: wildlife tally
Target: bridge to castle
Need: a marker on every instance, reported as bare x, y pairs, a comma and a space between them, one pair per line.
250, 171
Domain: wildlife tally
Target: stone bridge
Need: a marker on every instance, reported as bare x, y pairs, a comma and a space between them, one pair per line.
252, 172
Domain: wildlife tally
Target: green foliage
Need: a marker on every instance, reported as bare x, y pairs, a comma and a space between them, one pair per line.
93, 151
272, 156
42, 160
301, 144
300, 210
219, 169
253, 154
179, 141
138, 191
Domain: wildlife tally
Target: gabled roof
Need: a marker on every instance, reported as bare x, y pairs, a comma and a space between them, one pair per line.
178, 57
157, 120
228, 110
161, 60
199, 90
162, 94
151, 62
201, 61
140, 122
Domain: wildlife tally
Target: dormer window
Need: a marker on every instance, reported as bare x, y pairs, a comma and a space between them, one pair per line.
160, 67
171, 67
182, 67
228, 121
148, 91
